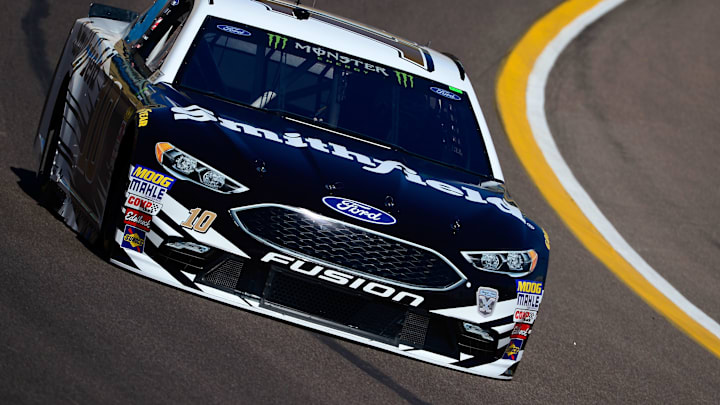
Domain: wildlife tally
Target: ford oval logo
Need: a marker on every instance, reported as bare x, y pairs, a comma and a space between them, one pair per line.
358, 210
446, 94
234, 30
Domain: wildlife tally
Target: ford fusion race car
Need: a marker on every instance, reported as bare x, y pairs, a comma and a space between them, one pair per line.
299, 165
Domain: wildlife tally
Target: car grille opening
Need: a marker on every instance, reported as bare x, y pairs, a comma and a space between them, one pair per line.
414, 330
226, 274
349, 247
357, 312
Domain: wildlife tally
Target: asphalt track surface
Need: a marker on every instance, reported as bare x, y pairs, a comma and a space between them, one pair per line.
633, 105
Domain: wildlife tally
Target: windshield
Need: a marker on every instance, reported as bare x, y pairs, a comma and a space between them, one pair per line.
327, 88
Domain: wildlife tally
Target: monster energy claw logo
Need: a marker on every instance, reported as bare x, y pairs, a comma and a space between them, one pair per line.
403, 79
275, 40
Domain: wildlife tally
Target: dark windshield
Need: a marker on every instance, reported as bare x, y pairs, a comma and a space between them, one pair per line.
331, 89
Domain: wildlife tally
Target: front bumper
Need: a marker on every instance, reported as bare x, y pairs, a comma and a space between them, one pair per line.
450, 337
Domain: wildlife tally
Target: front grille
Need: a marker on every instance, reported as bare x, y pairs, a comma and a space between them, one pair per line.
354, 311
348, 247
414, 330
226, 274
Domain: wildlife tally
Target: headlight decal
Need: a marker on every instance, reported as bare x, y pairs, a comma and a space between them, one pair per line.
186, 167
513, 263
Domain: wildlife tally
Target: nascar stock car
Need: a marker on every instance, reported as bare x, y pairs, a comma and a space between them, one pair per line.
293, 163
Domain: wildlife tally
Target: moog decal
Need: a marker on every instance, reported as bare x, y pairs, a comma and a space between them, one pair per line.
149, 183
370, 164
358, 210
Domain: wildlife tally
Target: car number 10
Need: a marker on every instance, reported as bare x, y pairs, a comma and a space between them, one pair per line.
199, 222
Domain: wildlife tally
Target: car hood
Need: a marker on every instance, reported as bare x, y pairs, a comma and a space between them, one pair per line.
287, 162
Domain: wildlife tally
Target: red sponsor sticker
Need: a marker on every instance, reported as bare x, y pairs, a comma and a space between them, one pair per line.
142, 204
520, 331
524, 316
137, 219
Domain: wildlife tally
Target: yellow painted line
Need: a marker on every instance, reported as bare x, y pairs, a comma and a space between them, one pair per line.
512, 88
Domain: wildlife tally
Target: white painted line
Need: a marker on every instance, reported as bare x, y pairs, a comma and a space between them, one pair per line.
541, 131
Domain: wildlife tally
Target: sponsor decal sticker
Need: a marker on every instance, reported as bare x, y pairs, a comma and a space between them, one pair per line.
143, 117
358, 210
405, 79
524, 316
445, 93
234, 30
133, 239
276, 41
520, 331
529, 301
529, 294
530, 287
142, 204
368, 163
486, 299
137, 219
149, 183
513, 349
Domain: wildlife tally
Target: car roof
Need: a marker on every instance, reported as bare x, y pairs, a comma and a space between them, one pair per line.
337, 33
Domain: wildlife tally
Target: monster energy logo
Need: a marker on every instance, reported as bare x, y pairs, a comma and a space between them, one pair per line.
275, 40
403, 79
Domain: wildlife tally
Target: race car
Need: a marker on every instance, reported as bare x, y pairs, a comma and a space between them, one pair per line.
299, 165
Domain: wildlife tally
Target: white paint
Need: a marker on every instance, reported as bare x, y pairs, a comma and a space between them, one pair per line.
179, 214
151, 269
502, 309
541, 131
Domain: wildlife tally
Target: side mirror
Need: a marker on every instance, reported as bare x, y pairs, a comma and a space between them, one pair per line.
112, 13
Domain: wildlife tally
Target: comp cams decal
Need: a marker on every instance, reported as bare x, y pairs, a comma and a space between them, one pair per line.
372, 165
358, 210
142, 204
524, 316
343, 279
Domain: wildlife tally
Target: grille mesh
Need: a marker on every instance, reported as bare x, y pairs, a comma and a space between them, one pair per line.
351, 310
414, 330
226, 274
349, 247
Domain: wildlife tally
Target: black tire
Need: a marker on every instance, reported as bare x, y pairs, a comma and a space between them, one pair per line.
105, 243
49, 193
